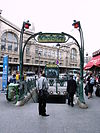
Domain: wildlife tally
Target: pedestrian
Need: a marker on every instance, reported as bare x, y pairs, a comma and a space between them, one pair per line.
71, 89
97, 92
91, 82
42, 87
13, 78
17, 76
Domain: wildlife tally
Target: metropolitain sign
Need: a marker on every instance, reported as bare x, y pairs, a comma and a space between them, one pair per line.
51, 38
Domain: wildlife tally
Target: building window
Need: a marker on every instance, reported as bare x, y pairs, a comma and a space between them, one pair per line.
1, 58
28, 50
15, 59
45, 52
41, 62
53, 54
15, 43
49, 53
3, 42
40, 52
36, 50
45, 62
32, 60
9, 40
27, 60
73, 54
36, 61
10, 59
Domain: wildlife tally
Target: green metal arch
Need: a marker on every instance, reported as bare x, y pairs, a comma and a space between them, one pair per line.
70, 36
34, 35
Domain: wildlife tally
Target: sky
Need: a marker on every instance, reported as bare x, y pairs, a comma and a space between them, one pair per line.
57, 16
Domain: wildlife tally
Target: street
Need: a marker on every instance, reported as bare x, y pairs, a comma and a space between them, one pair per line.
62, 119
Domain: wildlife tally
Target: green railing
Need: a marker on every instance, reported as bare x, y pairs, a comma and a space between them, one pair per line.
19, 91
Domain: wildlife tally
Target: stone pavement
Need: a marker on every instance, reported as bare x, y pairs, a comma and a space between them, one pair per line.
62, 119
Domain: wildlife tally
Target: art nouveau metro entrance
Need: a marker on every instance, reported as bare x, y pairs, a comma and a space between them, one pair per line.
55, 38
57, 87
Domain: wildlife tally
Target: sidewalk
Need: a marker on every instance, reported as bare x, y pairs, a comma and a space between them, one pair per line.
62, 119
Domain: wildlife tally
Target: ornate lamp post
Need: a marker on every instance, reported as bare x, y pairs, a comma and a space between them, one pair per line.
39, 54
24, 26
58, 45
77, 24
57, 62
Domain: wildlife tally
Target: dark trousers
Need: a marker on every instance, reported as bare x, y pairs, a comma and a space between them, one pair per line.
91, 89
70, 98
42, 104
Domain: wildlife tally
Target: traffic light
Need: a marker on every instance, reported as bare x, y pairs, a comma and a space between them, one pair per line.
76, 24
27, 25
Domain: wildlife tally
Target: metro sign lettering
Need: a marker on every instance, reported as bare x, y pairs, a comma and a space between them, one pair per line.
51, 38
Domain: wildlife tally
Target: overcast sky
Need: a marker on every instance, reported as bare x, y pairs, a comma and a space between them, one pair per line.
57, 16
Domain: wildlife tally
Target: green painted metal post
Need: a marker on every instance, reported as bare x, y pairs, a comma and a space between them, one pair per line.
81, 96
24, 26
82, 104
21, 52
56, 85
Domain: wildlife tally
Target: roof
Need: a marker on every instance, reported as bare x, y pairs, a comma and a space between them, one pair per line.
95, 61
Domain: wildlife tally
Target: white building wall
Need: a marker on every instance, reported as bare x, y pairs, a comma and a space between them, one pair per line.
32, 57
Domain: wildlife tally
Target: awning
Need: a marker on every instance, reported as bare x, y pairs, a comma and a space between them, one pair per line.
95, 61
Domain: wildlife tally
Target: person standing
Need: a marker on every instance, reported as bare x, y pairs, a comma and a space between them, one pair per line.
17, 76
13, 78
42, 87
91, 82
71, 89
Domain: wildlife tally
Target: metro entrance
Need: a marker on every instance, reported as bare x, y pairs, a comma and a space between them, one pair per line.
55, 38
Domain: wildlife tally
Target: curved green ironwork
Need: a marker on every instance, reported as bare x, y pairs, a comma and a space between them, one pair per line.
81, 49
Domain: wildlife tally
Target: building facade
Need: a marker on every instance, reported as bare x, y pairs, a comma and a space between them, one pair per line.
35, 54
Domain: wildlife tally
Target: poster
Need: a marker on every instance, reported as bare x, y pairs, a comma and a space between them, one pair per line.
5, 72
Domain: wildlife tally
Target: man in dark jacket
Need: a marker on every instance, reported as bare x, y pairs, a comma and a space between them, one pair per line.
71, 89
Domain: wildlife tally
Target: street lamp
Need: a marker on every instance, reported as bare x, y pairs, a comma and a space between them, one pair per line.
77, 25
39, 54
58, 45
57, 62
24, 26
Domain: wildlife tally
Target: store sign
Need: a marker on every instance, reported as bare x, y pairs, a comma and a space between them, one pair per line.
96, 53
51, 38
51, 65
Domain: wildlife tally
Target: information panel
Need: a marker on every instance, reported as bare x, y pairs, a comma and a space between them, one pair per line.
5, 72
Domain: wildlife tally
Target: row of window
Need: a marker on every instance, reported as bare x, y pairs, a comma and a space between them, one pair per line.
10, 59
9, 41
44, 62
47, 53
